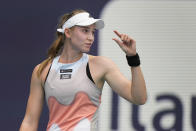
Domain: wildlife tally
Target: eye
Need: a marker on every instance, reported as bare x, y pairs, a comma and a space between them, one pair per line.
85, 30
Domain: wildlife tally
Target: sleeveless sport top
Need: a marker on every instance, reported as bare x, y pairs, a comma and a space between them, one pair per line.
72, 98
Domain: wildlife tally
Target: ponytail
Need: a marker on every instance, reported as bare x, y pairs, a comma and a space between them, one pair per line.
57, 46
53, 51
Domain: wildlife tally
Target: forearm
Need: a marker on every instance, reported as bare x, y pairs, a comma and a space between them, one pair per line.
138, 86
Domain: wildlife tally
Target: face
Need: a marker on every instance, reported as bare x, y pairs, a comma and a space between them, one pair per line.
82, 37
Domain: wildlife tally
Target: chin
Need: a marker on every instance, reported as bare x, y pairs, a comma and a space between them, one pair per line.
86, 50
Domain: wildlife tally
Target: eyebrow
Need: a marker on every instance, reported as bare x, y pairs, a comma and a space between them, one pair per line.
86, 27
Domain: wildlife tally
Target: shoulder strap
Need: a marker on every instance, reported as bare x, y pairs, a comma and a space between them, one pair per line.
47, 74
49, 70
88, 73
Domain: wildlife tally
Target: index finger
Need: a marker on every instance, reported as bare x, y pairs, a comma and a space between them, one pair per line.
117, 33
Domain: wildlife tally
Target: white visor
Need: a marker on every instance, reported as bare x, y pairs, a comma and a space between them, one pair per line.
81, 19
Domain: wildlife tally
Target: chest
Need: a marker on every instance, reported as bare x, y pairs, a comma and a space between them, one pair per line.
65, 89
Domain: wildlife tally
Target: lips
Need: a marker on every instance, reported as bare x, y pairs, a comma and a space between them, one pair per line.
88, 44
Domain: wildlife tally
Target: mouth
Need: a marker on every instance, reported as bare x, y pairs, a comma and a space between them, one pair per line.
88, 44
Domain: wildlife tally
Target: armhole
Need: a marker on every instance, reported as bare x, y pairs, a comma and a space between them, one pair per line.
47, 74
88, 73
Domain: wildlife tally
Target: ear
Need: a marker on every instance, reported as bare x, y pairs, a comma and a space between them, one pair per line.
67, 33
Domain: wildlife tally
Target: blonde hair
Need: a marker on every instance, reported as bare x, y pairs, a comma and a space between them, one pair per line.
58, 43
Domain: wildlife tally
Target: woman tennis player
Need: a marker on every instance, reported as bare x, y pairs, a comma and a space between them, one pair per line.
71, 80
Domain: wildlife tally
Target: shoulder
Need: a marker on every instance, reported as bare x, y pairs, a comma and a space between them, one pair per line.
100, 59
35, 70
44, 68
102, 62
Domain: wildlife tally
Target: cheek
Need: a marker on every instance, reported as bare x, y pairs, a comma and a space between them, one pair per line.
79, 35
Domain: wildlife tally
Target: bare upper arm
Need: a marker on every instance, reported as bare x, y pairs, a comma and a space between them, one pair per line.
116, 80
35, 100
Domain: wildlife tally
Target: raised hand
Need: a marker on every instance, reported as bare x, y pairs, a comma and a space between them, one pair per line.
126, 43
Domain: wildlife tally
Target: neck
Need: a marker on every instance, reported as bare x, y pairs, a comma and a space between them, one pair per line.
69, 55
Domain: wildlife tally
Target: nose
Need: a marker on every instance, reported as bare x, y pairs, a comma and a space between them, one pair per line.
91, 36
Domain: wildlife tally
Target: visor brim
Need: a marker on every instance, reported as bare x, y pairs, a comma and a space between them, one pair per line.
99, 24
